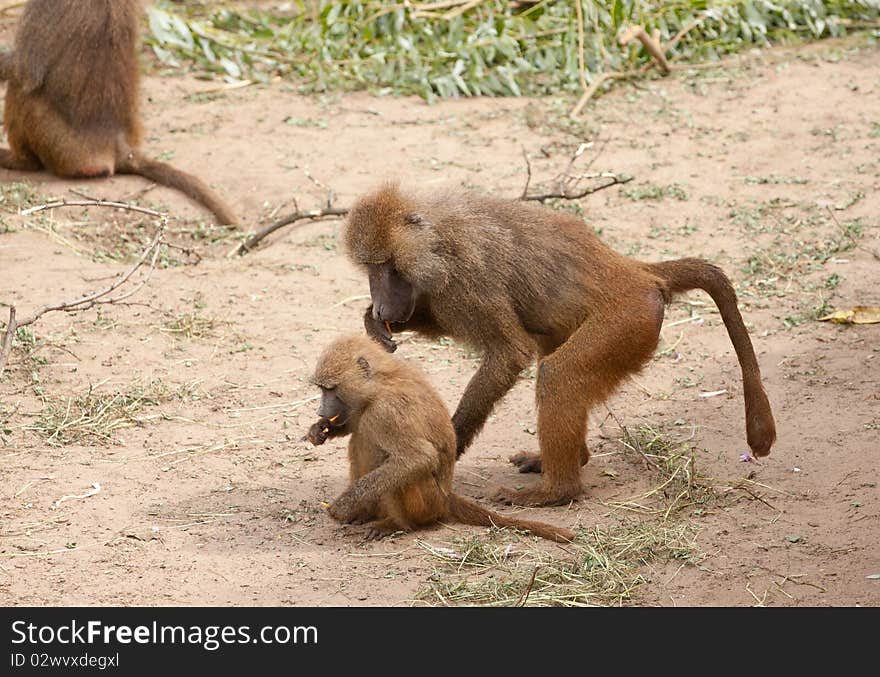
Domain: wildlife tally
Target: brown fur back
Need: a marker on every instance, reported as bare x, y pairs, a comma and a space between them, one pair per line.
72, 100
508, 272
61, 51
395, 399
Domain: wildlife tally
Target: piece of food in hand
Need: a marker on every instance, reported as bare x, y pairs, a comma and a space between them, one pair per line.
319, 432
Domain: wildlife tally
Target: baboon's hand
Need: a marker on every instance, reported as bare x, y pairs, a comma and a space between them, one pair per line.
319, 432
379, 331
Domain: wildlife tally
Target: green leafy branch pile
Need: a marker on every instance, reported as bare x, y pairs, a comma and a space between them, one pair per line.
450, 48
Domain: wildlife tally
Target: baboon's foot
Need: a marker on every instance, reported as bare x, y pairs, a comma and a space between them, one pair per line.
378, 530
541, 495
527, 461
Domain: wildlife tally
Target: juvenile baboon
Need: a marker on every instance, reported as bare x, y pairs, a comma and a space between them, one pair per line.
402, 446
72, 97
519, 281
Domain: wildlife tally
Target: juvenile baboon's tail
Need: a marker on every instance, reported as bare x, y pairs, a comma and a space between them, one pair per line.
468, 512
166, 175
685, 274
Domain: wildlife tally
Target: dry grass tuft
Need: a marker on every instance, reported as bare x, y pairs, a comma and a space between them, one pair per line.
192, 325
95, 416
681, 486
601, 568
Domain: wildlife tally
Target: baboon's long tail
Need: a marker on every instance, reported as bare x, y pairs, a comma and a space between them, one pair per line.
468, 512
686, 274
166, 175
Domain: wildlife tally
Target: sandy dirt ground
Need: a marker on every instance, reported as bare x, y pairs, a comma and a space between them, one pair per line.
187, 406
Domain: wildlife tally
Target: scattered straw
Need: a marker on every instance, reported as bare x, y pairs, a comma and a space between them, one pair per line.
603, 567
192, 325
95, 416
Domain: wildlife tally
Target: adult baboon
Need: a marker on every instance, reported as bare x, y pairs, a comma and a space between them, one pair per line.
72, 97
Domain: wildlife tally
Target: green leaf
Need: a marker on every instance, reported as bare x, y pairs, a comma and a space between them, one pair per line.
231, 67
170, 30
616, 14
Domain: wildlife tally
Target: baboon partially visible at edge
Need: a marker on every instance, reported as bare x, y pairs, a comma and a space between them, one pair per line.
402, 446
520, 281
72, 97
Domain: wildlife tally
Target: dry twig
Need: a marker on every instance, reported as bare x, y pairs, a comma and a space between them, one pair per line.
12, 5
461, 9
308, 215
5, 347
568, 185
100, 297
650, 43
92, 203
592, 89
657, 51
525, 596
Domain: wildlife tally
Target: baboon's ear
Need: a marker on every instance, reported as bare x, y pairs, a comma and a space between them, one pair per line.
414, 219
365, 367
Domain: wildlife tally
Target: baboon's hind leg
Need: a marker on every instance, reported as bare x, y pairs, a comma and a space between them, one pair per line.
580, 374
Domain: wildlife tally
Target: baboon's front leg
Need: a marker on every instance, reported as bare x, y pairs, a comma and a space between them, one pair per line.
496, 375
